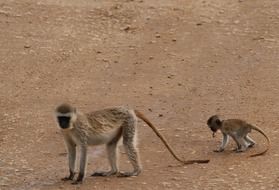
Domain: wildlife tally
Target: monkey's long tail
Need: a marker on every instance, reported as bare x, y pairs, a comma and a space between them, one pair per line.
141, 116
268, 141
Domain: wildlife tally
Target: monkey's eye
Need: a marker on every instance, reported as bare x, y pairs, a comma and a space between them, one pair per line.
64, 122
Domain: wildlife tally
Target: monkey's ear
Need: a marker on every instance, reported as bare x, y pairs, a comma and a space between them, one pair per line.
218, 122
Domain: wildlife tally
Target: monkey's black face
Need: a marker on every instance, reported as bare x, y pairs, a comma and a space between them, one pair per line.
64, 122
213, 129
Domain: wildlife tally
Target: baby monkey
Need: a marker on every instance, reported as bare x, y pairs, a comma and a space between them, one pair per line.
238, 130
105, 126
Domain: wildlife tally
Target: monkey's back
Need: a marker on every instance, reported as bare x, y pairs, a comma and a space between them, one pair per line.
232, 125
108, 119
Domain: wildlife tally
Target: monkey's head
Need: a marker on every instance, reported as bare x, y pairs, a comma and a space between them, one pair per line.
66, 115
214, 123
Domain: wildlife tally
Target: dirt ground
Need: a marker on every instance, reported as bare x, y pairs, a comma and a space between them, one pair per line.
178, 61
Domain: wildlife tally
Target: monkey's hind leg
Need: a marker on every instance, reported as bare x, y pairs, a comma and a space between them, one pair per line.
243, 145
129, 135
112, 156
237, 143
250, 141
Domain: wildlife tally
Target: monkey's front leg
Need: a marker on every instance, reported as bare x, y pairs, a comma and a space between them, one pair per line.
82, 166
70, 177
223, 144
71, 159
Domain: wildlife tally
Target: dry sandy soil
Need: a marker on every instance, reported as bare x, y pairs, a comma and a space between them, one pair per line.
178, 61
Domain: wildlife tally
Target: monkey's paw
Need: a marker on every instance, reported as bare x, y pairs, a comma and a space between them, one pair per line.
219, 150
123, 174
240, 150
128, 174
251, 145
66, 178
76, 182
104, 174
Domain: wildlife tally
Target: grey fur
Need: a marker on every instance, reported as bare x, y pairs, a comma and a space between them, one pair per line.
101, 127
